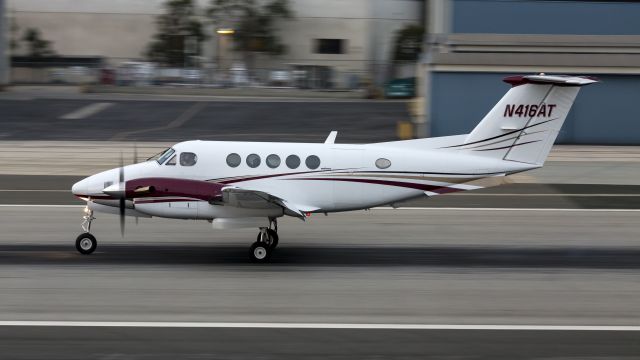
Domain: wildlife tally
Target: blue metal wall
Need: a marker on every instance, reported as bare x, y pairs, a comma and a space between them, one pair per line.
546, 17
604, 113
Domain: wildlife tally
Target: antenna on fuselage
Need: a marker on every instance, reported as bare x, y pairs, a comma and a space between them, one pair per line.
331, 139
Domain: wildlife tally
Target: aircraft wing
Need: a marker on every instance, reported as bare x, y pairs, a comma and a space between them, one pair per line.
256, 199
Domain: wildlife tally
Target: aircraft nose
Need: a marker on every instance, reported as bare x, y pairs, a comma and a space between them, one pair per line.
80, 188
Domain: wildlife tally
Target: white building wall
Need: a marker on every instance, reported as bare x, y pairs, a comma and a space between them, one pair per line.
121, 29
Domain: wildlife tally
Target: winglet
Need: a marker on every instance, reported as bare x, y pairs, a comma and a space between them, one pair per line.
331, 139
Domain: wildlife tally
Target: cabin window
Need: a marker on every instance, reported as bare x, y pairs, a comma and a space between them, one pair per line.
383, 163
253, 160
234, 160
171, 161
188, 159
273, 161
293, 161
313, 162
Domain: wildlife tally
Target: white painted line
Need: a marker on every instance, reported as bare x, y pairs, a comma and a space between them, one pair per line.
8, 190
505, 209
236, 325
86, 111
40, 205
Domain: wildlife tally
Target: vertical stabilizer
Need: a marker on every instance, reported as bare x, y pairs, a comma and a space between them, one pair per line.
524, 124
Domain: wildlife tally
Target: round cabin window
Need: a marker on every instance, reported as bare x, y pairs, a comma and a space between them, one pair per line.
234, 160
253, 160
293, 161
273, 161
383, 163
313, 162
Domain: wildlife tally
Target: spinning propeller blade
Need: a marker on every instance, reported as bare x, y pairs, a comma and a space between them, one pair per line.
122, 195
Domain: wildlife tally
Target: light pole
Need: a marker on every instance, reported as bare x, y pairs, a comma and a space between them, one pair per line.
220, 47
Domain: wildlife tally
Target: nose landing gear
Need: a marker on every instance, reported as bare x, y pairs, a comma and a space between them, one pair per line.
266, 242
85, 242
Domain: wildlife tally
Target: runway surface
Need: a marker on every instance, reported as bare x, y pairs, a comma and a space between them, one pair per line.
384, 266
124, 343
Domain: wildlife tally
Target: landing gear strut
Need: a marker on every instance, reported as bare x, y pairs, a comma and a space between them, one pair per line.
85, 242
266, 242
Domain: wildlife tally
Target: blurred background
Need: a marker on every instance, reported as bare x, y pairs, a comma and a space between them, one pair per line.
440, 53
83, 82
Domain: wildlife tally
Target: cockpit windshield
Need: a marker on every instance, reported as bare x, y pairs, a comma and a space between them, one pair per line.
162, 156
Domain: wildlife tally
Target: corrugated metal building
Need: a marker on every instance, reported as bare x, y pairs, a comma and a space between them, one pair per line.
473, 44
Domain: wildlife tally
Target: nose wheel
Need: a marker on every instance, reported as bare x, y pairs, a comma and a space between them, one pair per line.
85, 242
265, 244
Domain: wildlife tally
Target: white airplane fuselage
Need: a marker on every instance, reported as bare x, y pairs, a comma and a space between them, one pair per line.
347, 177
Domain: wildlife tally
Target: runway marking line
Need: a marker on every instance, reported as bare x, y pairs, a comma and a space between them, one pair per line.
86, 111
236, 325
390, 208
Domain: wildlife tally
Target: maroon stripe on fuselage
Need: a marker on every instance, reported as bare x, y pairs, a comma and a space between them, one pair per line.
151, 201
417, 186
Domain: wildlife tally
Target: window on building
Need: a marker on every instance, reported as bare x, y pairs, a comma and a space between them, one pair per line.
234, 160
188, 159
273, 161
253, 160
330, 46
313, 162
293, 161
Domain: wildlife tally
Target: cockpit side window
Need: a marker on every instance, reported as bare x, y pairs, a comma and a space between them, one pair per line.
188, 159
171, 161
162, 157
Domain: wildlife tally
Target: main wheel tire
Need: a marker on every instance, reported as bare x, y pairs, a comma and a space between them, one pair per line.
272, 238
260, 252
86, 243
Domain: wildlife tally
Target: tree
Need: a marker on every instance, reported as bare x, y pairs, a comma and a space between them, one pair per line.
36, 45
180, 34
408, 43
253, 24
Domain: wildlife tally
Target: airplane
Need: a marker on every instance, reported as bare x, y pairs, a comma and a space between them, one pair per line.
252, 184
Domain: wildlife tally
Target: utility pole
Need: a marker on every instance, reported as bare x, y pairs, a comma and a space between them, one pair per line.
4, 53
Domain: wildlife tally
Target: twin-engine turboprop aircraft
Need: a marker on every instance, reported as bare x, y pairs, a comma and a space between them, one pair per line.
252, 184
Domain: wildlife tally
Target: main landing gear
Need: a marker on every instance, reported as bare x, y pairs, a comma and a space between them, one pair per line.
265, 243
85, 242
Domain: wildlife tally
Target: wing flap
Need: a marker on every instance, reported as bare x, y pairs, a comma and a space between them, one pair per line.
256, 199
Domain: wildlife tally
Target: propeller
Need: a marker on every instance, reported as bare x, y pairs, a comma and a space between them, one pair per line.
119, 190
122, 197
135, 161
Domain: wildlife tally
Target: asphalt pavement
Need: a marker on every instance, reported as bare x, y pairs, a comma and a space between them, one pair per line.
124, 343
244, 120
477, 267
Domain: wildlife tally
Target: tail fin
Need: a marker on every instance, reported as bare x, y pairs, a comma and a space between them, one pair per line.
524, 124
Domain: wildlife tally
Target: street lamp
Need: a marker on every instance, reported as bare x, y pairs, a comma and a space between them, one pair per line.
221, 32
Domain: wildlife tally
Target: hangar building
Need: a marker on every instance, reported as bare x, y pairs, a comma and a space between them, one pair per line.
473, 44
